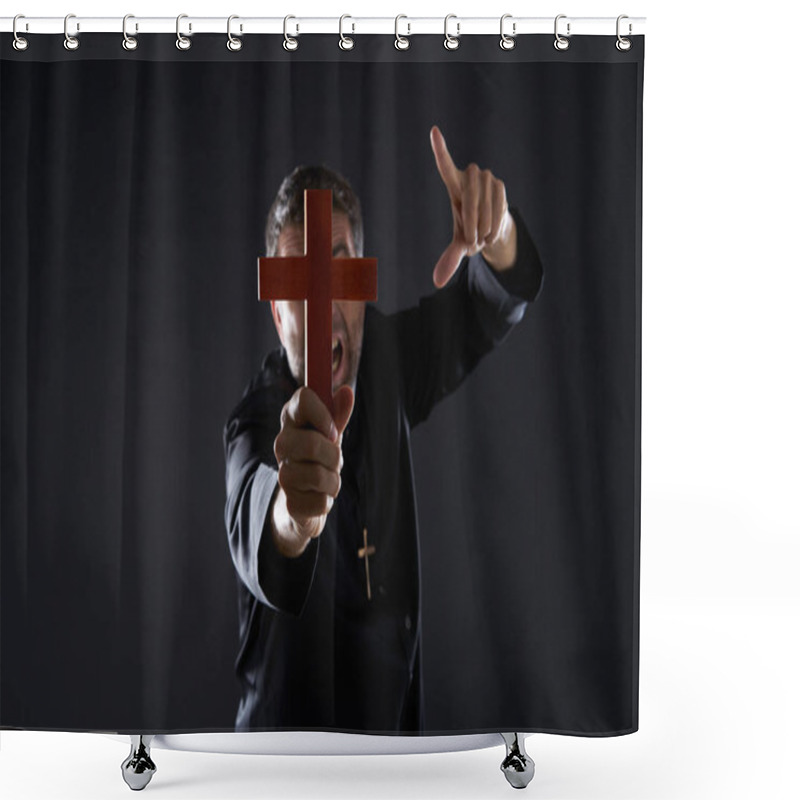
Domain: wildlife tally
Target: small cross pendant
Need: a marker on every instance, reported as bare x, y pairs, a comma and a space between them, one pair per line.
365, 552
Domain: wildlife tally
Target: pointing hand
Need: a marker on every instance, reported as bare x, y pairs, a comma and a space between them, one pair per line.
480, 214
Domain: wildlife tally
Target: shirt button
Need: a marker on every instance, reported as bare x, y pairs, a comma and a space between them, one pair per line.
408, 623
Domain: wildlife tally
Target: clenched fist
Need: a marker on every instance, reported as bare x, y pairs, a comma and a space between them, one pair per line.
308, 450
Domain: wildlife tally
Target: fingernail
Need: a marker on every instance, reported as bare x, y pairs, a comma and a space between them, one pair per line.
334, 434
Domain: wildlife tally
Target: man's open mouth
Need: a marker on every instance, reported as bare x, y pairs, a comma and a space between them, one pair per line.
336, 354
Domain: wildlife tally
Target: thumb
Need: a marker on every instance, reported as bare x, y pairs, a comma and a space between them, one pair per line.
343, 402
448, 263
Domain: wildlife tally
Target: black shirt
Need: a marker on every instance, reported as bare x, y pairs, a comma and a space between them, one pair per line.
315, 651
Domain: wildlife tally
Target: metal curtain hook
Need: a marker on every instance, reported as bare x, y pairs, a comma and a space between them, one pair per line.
289, 43
234, 43
507, 42
622, 43
70, 42
182, 42
400, 42
20, 42
346, 42
129, 42
561, 43
451, 42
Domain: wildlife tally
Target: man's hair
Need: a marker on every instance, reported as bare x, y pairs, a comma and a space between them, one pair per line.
289, 207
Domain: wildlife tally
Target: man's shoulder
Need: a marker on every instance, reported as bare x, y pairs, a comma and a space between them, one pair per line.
273, 373
374, 319
270, 387
378, 324
378, 333
379, 371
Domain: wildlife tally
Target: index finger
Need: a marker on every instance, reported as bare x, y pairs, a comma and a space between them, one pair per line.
444, 163
307, 409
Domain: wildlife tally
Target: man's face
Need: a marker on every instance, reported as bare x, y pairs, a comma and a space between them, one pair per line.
348, 315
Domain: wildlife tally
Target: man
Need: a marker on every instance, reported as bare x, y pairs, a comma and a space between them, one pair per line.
321, 511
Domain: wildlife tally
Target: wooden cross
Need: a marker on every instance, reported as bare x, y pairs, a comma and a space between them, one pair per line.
365, 552
318, 278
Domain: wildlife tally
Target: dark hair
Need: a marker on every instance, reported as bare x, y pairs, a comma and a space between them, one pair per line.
288, 206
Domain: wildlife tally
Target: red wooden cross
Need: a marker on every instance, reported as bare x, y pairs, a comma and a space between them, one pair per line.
319, 279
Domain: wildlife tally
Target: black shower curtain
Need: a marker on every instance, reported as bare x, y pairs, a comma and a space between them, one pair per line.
134, 193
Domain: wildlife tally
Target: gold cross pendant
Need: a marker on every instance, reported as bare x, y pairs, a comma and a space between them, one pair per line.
365, 552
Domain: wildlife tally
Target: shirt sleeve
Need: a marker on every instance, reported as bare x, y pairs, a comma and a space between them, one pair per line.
523, 281
442, 339
251, 480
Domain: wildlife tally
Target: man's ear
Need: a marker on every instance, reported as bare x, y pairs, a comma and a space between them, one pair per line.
276, 316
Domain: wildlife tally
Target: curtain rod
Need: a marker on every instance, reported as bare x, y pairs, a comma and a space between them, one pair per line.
457, 26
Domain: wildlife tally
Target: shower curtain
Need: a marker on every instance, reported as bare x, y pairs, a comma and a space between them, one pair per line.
468, 558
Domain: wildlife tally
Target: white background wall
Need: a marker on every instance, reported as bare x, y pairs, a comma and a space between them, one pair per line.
720, 613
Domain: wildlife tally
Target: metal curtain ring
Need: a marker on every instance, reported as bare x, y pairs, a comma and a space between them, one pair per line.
622, 43
234, 43
182, 42
288, 42
400, 42
346, 42
20, 42
507, 42
70, 42
129, 42
561, 43
451, 42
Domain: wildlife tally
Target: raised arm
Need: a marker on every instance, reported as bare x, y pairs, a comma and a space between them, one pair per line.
485, 277
442, 339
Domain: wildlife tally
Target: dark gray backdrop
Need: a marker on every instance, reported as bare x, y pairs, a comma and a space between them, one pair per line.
134, 189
